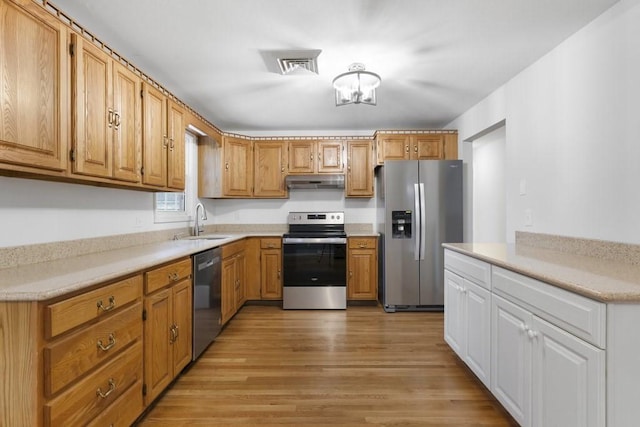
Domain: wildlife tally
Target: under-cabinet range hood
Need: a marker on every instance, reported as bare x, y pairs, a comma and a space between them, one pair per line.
315, 181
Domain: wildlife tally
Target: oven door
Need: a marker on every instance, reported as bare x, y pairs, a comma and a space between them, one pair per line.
315, 273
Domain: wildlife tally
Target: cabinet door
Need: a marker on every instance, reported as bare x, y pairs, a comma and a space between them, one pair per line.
271, 273
454, 321
359, 169
127, 135
176, 152
302, 157
238, 167
394, 147
93, 116
362, 283
158, 366
511, 358
568, 379
33, 92
240, 280
330, 157
154, 137
269, 169
477, 330
182, 322
228, 303
427, 147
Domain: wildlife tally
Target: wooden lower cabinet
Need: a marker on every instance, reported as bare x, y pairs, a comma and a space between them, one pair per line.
362, 268
233, 279
167, 330
92, 355
271, 268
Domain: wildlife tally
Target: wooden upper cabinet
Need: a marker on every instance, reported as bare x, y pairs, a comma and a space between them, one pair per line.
154, 137
302, 157
419, 146
238, 167
163, 144
33, 88
427, 147
393, 147
330, 156
106, 114
269, 169
359, 168
310, 157
176, 152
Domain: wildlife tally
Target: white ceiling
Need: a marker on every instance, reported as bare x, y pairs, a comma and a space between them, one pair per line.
437, 58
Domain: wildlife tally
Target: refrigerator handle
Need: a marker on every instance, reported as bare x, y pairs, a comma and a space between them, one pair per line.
418, 231
423, 223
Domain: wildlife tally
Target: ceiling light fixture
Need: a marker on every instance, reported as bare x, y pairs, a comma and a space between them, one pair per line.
356, 86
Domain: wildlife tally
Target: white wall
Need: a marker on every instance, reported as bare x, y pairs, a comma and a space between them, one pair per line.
489, 210
572, 133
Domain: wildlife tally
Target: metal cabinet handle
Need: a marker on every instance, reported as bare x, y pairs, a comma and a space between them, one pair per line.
171, 144
415, 148
407, 148
278, 273
226, 165
111, 306
117, 119
112, 342
112, 386
311, 156
165, 141
173, 276
110, 117
173, 333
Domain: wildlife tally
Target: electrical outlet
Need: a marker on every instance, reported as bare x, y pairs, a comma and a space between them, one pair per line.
528, 218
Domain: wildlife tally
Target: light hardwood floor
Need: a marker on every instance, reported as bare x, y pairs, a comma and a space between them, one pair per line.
357, 367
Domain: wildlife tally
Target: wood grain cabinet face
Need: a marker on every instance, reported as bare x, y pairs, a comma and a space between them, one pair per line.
233, 279
362, 268
311, 157
33, 93
269, 169
238, 167
167, 326
106, 115
418, 146
359, 169
163, 150
271, 268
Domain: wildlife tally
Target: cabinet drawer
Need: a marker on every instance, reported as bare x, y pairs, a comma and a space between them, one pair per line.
468, 267
232, 248
69, 358
362, 242
65, 315
124, 411
83, 402
164, 276
271, 243
581, 316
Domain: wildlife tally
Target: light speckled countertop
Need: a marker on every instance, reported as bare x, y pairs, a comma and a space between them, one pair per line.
38, 282
601, 279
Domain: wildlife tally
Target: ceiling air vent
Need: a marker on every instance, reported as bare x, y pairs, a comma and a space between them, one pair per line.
295, 65
291, 62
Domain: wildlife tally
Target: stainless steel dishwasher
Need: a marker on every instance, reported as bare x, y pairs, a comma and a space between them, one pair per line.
207, 276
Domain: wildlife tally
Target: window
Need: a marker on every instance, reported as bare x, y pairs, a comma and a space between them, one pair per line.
177, 207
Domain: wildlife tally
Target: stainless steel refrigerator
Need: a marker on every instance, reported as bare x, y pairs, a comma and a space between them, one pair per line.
419, 207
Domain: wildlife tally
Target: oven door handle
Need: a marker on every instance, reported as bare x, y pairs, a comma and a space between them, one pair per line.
314, 240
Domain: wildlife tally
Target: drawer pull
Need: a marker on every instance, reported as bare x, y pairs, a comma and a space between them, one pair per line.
173, 330
362, 245
278, 273
174, 276
112, 386
111, 306
112, 342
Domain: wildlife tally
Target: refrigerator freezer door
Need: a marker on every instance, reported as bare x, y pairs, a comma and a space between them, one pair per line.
442, 213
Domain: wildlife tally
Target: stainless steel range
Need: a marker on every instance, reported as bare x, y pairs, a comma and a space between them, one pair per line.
314, 261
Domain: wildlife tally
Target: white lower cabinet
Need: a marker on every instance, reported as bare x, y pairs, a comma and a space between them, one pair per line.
467, 323
543, 375
541, 350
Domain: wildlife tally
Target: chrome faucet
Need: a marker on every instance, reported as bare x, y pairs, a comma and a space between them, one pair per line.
199, 228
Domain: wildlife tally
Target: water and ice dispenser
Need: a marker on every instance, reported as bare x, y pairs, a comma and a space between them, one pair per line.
401, 224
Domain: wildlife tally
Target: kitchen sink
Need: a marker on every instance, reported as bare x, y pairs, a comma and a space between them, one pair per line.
206, 237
